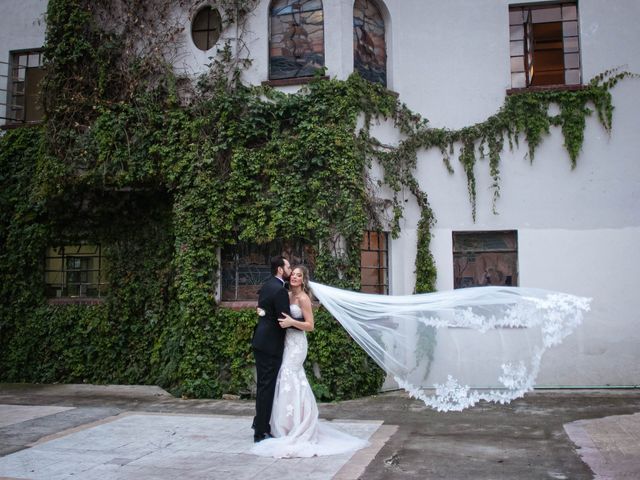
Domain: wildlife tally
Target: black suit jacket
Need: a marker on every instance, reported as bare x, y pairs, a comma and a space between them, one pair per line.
268, 336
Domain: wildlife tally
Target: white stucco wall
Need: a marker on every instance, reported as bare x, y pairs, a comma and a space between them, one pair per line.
21, 25
578, 230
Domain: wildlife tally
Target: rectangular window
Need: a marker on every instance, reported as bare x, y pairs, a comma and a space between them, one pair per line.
75, 271
20, 101
374, 262
245, 267
485, 258
544, 45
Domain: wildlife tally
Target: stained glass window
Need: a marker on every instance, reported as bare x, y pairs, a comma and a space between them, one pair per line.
369, 48
296, 47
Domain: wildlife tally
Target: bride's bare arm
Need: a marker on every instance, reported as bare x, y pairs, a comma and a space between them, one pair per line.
307, 314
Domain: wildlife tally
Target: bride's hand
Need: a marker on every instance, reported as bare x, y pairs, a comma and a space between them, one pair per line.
286, 322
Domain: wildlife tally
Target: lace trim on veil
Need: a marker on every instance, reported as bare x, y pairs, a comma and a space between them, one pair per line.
453, 349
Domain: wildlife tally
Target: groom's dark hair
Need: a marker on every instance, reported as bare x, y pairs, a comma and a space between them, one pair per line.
277, 261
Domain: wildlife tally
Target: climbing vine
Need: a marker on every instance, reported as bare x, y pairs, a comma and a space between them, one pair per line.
165, 170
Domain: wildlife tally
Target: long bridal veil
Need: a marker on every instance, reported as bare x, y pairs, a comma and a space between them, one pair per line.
452, 349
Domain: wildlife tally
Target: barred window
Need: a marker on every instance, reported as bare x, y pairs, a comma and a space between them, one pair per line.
485, 258
75, 271
20, 99
369, 48
545, 45
374, 262
296, 38
246, 266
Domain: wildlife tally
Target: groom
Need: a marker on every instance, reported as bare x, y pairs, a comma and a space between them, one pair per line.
268, 343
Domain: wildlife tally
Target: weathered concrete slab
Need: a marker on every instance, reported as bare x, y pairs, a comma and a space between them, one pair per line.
526, 439
167, 446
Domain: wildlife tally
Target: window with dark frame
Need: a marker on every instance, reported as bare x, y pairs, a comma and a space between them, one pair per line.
245, 267
374, 262
544, 45
206, 28
75, 271
369, 46
23, 74
296, 38
485, 258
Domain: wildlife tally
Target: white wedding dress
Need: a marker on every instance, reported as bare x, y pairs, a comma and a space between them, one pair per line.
294, 417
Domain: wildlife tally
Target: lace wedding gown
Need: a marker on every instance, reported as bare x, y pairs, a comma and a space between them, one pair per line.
294, 418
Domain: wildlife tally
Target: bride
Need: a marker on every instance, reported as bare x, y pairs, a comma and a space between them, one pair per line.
294, 421
450, 349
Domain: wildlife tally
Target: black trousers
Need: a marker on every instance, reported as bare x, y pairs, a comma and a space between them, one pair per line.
267, 367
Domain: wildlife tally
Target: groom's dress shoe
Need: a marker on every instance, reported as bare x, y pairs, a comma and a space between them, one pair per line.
259, 438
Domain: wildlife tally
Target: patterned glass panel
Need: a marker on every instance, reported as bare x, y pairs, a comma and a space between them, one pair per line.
369, 47
296, 47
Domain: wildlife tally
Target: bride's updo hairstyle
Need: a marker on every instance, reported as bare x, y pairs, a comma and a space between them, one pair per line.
305, 278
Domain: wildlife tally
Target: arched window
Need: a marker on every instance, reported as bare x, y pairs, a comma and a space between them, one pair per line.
206, 28
296, 44
369, 47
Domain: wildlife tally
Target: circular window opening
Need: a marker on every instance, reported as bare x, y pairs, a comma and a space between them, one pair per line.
206, 28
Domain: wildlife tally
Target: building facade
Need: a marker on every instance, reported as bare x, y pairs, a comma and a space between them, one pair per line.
557, 228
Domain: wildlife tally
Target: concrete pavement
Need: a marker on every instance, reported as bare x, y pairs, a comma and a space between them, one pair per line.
105, 432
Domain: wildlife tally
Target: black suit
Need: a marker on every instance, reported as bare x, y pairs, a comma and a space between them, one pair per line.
268, 345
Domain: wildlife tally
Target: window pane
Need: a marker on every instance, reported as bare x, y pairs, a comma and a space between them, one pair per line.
206, 28
296, 43
571, 44
200, 40
517, 64
369, 276
516, 48
515, 17
572, 60
570, 29
373, 262
18, 73
370, 259
33, 106
75, 270
516, 32
373, 241
201, 19
245, 267
369, 48
518, 80
485, 258
569, 12
484, 241
546, 14
572, 77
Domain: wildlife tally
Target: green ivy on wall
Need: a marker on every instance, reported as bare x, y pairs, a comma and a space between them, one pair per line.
164, 171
